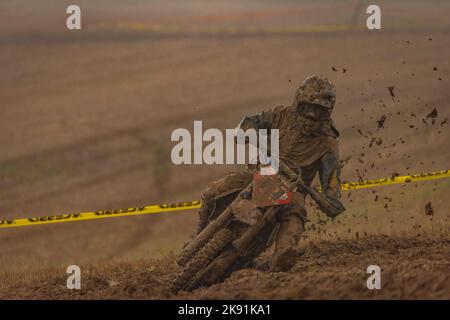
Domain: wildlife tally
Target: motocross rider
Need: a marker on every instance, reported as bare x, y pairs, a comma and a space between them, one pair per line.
308, 140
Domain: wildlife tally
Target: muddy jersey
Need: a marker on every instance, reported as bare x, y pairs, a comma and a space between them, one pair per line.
315, 151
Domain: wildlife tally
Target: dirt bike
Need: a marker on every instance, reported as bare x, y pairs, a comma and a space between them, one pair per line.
243, 229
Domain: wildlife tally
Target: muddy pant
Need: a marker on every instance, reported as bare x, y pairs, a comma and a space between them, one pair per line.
292, 216
292, 220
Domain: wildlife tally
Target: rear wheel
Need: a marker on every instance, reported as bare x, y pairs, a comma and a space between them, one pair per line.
230, 260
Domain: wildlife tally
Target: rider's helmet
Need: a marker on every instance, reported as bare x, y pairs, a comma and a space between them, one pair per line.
316, 90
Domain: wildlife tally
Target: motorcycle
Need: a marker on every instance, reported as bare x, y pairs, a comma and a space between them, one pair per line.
243, 229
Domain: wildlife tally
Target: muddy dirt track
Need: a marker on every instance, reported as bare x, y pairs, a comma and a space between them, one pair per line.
412, 269
86, 118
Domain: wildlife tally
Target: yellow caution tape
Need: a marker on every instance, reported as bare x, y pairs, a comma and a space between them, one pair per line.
396, 180
100, 214
169, 207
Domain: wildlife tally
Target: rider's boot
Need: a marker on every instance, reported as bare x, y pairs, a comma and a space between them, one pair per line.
289, 232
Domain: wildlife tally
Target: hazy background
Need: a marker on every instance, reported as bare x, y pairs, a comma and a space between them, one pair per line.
86, 116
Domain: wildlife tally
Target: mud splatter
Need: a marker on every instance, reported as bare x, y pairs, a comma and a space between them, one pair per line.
433, 114
429, 209
391, 92
380, 123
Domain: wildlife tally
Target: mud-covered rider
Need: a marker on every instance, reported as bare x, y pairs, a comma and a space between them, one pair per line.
308, 139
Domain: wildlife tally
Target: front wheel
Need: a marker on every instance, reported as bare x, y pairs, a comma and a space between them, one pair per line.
202, 258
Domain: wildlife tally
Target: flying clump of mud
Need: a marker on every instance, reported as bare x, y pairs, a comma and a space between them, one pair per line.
429, 209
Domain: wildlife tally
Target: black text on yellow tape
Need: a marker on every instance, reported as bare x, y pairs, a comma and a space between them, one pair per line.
396, 180
169, 207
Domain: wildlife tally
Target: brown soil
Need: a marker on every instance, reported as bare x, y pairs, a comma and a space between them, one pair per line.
411, 269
